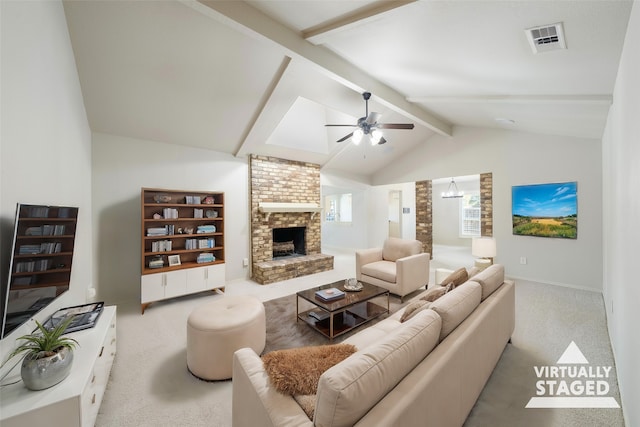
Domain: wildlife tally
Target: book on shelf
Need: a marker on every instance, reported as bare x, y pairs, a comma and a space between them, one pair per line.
157, 231
319, 314
192, 200
330, 294
63, 212
161, 246
156, 262
39, 212
205, 257
206, 229
170, 213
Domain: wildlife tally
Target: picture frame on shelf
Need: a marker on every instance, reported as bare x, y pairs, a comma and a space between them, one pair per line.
174, 260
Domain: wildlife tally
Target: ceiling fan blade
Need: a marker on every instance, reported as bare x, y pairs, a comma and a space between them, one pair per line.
372, 118
382, 140
395, 125
344, 138
351, 126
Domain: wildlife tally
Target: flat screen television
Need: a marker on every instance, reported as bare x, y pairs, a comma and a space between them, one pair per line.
40, 266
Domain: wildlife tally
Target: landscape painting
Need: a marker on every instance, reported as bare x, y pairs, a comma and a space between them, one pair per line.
545, 210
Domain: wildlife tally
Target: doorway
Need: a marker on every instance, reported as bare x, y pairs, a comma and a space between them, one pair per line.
395, 213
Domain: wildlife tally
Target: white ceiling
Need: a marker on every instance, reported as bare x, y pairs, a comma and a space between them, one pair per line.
264, 77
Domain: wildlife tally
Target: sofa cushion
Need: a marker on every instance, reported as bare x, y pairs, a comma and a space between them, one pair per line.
394, 248
471, 272
347, 391
383, 270
413, 308
458, 277
456, 305
490, 279
297, 370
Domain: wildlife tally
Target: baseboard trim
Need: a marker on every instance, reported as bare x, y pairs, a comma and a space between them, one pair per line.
564, 285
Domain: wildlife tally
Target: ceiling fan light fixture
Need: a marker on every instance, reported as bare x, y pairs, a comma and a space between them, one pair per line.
452, 192
369, 125
357, 136
375, 137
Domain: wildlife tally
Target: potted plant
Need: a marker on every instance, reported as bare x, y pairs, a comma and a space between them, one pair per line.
48, 356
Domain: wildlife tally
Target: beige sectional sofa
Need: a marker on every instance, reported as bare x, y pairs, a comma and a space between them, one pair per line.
428, 370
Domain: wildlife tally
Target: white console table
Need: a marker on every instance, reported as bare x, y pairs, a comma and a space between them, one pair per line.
75, 401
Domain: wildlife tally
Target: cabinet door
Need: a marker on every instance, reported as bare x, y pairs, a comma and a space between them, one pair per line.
155, 287
215, 276
175, 283
152, 287
196, 280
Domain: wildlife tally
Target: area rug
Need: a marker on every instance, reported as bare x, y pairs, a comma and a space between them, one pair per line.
283, 331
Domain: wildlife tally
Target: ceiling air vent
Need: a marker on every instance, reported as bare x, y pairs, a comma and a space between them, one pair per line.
546, 38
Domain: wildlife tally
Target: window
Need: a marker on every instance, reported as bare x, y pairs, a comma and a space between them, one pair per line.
470, 215
337, 208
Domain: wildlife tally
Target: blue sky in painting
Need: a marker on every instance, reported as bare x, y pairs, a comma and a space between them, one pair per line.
545, 200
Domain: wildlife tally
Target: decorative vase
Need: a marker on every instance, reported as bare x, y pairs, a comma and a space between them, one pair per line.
38, 374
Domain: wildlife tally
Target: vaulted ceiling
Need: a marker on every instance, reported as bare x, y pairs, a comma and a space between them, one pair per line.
265, 77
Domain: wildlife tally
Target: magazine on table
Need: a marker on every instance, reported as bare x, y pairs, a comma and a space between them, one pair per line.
83, 317
330, 294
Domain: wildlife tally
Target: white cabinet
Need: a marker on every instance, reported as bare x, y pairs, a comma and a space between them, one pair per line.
205, 278
155, 287
75, 401
159, 286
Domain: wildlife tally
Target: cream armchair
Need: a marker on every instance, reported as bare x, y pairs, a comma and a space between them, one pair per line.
399, 266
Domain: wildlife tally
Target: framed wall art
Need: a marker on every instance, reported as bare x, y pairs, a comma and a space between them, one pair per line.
545, 210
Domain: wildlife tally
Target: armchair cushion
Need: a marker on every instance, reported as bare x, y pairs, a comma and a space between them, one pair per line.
383, 270
395, 248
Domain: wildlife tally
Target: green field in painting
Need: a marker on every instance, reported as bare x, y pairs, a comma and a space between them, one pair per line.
563, 227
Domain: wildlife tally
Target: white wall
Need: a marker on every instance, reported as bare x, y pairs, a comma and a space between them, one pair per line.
345, 237
517, 158
121, 167
45, 144
621, 201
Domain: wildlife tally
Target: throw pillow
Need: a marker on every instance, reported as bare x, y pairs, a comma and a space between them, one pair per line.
413, 308
434, 293
458, 277
297, 370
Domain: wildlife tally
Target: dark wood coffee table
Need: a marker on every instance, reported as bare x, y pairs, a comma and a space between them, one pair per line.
334, 318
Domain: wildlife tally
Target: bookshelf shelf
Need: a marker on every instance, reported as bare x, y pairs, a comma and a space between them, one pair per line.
182, 243
43, 252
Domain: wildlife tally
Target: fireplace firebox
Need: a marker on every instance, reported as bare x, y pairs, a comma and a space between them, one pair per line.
288, 242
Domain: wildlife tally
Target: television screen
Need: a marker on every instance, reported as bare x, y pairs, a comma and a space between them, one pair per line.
40, 267
545, 210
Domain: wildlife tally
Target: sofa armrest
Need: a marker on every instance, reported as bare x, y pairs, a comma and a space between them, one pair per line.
255, 403
366, 256
412, 272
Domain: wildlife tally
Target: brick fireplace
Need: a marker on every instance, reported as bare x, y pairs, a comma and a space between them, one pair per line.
291, 191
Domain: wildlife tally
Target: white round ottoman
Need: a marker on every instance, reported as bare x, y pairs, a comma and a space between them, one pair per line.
217, 329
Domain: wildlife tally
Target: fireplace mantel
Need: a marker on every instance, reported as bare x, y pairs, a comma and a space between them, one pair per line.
269, 208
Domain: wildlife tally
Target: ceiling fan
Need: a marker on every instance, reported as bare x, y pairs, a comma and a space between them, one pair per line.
368, 125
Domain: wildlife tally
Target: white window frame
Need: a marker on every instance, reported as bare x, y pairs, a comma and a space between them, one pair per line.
470, 215
338, 208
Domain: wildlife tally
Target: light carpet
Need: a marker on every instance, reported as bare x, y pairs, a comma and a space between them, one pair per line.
150, 384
